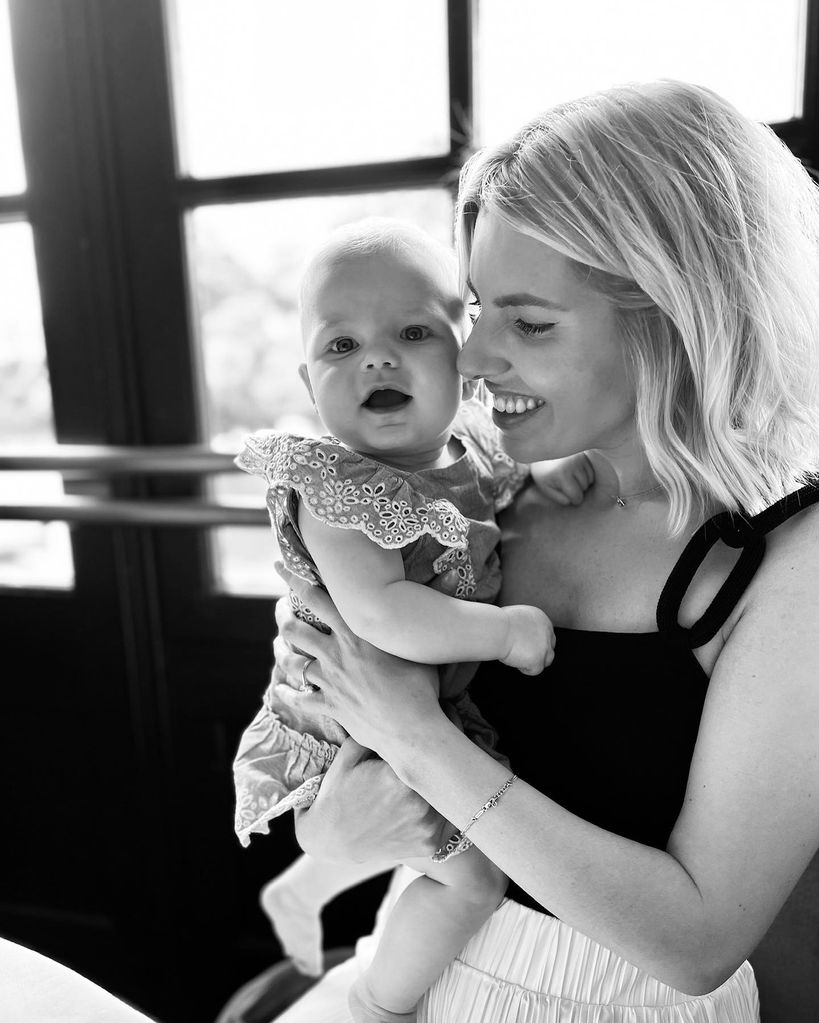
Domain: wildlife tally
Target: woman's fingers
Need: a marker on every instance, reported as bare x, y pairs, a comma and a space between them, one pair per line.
294, 664
283, 612
314, 597
390, 821
287, 663
289, 670
351, 753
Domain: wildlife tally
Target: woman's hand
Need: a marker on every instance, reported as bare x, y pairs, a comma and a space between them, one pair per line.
375, 696
364, 813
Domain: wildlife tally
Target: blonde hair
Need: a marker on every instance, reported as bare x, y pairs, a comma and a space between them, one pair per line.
702, 230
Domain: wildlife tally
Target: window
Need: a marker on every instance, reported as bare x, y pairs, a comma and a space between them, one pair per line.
268, 124
258, 91
531, 56
32, 554
258, 88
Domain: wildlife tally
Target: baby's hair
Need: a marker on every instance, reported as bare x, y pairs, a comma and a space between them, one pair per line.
702, 230
372, 236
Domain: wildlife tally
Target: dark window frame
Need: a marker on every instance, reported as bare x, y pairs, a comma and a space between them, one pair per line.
110, 246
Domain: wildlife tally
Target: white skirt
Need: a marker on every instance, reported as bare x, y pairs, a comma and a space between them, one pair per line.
525, 967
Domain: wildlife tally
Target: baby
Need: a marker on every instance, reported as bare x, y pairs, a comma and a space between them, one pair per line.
394, 515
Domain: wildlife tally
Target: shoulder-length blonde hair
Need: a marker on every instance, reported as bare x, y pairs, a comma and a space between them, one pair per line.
702, 230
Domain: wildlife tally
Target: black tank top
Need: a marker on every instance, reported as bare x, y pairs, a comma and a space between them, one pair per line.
608, 730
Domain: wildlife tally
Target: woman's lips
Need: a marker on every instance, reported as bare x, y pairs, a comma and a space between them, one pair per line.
512, 420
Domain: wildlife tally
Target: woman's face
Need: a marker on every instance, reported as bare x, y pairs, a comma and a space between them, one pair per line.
548, 348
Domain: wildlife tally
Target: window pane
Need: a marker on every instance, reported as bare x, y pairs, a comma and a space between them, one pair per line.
264, 86
246, 261
31, 553
12, 174
532, 55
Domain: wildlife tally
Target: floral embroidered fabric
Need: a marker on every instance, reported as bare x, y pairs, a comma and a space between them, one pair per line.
442, 520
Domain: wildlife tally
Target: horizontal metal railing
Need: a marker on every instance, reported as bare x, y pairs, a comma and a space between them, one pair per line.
104, 461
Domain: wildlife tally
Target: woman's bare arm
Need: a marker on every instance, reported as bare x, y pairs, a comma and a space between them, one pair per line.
750, 824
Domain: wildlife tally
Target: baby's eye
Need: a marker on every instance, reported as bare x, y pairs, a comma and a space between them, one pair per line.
533, 329
414, 333
474, 310
342, 345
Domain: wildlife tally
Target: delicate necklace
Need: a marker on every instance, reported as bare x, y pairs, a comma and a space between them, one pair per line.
622, 499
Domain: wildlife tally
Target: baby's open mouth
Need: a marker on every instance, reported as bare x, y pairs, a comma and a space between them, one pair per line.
387, 399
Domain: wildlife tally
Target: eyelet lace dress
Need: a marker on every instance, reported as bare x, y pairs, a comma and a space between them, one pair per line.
442, 521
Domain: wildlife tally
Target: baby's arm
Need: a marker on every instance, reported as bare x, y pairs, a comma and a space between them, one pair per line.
564, 480
379, 604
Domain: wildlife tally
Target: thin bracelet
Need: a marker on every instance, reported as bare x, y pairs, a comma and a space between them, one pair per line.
458, 842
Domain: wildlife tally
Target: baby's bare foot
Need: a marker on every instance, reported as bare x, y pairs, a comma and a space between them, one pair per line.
297, 925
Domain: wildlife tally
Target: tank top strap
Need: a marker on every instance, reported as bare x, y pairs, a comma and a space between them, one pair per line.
734, 530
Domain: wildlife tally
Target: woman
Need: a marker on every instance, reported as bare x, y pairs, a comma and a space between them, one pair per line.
644, 262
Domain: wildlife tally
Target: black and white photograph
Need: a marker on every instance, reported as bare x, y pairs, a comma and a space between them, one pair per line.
409, 511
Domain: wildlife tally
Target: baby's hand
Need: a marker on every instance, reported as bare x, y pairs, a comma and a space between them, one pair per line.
531, 639
564, 480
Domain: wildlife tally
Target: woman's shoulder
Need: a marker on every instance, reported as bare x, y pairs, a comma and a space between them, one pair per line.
791, 558
782, 597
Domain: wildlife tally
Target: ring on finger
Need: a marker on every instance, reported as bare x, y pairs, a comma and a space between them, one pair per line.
307, 686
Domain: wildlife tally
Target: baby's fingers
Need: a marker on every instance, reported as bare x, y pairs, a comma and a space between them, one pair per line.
586, 470
558, 496
574, 488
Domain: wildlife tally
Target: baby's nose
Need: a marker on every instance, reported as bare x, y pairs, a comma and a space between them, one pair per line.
380, 356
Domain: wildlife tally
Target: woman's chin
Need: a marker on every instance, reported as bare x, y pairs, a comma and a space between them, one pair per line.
527, 446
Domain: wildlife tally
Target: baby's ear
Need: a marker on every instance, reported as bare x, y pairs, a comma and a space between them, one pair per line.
305, 379
468, 390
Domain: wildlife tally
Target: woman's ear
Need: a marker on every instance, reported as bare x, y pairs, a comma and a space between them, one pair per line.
468, 391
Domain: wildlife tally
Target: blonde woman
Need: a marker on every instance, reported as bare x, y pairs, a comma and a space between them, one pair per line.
644, 264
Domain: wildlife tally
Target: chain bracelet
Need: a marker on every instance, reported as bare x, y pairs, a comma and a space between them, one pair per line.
458, 842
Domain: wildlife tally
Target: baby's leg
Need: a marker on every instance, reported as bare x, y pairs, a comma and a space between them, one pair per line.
431, 922
294, 899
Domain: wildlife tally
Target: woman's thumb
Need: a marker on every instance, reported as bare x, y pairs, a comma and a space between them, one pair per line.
352, 753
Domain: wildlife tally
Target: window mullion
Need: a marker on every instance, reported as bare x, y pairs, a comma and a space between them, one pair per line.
461, 106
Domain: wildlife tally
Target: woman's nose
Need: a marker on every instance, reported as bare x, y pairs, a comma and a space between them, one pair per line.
479, 357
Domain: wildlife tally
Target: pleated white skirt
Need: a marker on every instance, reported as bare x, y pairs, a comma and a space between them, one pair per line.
525, 967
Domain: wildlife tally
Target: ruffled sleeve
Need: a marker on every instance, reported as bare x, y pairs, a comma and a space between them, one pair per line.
350, 491
474, 425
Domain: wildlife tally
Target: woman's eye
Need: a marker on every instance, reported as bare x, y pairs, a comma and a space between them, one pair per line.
533, 329
414, 333
342, 345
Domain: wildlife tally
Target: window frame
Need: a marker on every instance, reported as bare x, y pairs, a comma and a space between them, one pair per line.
121, 201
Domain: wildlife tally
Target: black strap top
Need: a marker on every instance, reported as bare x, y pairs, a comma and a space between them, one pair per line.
608, 731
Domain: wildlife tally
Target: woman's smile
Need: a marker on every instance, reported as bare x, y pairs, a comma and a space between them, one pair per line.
577, 370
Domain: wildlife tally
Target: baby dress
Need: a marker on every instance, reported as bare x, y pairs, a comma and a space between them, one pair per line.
442, 520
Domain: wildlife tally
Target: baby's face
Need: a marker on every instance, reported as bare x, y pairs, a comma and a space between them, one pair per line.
381, 334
